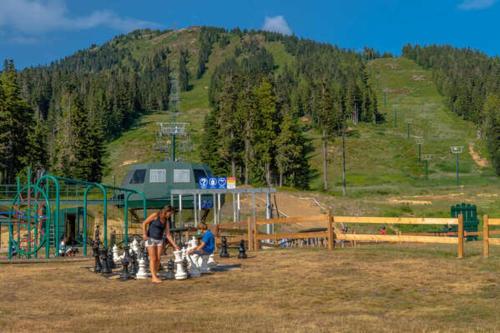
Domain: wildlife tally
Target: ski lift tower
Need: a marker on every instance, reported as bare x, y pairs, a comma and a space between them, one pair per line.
169, 132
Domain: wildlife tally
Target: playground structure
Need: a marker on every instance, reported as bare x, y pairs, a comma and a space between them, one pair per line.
34, 220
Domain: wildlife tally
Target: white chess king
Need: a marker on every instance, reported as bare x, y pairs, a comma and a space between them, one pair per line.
116, 256
142, 273
180, 273
194, 268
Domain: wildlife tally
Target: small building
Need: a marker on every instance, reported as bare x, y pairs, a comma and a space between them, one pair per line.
158, 179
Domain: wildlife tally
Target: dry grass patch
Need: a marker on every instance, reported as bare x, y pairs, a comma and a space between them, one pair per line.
373, 288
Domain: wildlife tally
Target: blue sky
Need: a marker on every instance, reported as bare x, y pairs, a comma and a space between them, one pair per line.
38, 31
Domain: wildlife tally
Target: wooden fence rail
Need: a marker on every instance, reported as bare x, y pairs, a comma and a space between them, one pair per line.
328, 221
487, 241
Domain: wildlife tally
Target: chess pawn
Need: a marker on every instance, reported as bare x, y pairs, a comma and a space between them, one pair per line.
135, 246
116, 256
193, 243
141, 273
180, 273
195, 270
111, 262
104, 260
169, 275
134, 264
95, 253
125, 274
203, 264
186, 265
223, 250
146, 261
184, 252
211, 261
242, 254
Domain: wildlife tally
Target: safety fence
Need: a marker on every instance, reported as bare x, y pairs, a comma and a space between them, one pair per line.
332, 234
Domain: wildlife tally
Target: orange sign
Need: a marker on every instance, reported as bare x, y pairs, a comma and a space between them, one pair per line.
231, 183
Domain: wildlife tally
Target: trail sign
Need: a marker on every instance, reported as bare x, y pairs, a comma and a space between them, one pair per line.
231, 183
212, 183
203, 183
222, 183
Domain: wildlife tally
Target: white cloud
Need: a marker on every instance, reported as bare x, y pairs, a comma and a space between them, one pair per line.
35, 17
476, 4
277, 24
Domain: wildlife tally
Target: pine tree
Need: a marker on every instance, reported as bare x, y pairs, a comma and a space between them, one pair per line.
16, 122
95, 152
326, 123
38, 157
183, 71
246, 116
266, 129
227, 124
211, 145
492, 125
291, 154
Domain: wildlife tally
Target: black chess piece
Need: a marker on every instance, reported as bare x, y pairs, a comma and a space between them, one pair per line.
105, 264
145, 256
223, 251
112, 240
111, 262
95, 253
97, 233
125, 274
170, 275
134, 264
242, 251
185, 264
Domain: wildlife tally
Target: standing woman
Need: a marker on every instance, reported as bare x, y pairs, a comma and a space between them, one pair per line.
153, 228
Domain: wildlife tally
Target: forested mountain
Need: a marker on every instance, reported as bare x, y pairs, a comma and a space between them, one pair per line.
253, 131
471, 82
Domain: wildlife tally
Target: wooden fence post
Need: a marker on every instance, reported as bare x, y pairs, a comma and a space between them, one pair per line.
460, 246
255, 232
330, 231
486, 236
250, 234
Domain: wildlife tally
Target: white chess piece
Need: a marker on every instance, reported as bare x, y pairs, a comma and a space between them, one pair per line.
180, 273
116, 256
135, 246
141, 273
194, 269
211, 261
203, 264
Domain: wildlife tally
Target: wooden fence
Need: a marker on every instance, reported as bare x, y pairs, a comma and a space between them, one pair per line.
487, 241
234, 232
331, 234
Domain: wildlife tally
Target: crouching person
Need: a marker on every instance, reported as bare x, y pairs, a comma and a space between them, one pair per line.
207, 244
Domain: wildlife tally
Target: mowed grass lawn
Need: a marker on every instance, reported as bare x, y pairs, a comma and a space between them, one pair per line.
383, 288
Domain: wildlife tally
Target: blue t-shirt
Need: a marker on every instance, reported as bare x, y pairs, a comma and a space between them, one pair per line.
209, 240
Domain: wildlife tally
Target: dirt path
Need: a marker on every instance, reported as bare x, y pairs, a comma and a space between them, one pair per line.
296, 205
481, 162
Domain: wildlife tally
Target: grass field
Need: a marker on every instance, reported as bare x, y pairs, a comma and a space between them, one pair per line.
372, 288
